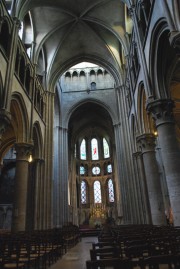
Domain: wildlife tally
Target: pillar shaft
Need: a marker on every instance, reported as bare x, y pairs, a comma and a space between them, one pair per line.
162, 111
143, 192
63, 177
147, 145
21, 184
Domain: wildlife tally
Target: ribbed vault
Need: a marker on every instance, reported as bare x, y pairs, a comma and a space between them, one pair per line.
66, 29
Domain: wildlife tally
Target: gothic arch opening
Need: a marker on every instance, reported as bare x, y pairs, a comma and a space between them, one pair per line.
91, 139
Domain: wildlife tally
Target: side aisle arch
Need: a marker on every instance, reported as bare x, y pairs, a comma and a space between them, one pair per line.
20, 119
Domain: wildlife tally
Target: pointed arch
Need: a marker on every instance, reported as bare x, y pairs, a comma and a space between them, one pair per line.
5, 36
106, 148
97, 192
145, 121
111, 196
158, 48
83, 150
84, 192
20, 120
41, 63
94, 149
38, 141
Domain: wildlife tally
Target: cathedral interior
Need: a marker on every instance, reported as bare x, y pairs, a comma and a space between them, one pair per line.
89, 113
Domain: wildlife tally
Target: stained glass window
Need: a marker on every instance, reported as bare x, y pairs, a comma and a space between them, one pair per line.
83, 192
94, 149
97, 192
111, 191
96, 170
83, 150
109, 168
106, 148
82, 170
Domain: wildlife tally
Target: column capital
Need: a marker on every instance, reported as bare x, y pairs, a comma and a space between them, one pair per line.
174, 38
146, 142
137, 154
38, 160
17, 22
23, 151
117, 124
120, 87
132, 10
161, 110
63, 128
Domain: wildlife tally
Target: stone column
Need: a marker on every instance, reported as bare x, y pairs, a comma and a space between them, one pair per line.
162, 111
38, 194
143, 192
21, 183
146, 143
63, 176
120, 184
46, 202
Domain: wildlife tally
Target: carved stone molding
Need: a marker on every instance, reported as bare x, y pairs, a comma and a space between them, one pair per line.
146, 142
17, 22
174, 39
161, 110
137, 154
23, 151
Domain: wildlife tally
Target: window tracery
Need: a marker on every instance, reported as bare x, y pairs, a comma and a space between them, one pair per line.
93, 165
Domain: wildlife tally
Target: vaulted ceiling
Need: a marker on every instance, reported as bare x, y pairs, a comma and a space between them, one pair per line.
71, 31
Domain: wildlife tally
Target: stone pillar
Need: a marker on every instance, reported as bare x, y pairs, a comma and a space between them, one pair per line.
23, 151
74, 189
146, 143
38, 194
120, 184
143, 192
46, 203
162, 112
63, 177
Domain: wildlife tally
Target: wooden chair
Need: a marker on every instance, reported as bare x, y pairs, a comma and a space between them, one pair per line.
157, 262
104, 253
104, 263
103, 245
10, 255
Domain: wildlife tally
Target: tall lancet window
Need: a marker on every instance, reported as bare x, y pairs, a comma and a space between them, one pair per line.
111, 191
106, 148
94, 149
97, 192
83, 150
83, 192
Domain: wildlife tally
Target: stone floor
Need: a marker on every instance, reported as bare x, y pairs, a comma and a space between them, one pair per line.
76, 257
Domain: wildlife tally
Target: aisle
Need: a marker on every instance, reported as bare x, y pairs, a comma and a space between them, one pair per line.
76, 257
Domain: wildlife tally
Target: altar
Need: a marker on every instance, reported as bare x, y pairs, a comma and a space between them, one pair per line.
97, 215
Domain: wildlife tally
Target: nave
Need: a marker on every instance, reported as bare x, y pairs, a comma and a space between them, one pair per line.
76, 257
127, 247
117, 246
